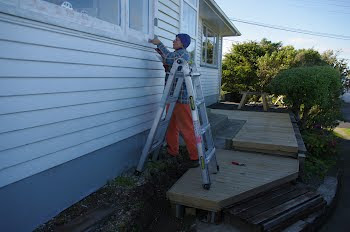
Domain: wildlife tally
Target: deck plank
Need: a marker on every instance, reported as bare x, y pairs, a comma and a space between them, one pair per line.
265, 132
233, 183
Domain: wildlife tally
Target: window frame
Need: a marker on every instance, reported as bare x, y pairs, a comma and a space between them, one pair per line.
52, 14
151, 16
216, 50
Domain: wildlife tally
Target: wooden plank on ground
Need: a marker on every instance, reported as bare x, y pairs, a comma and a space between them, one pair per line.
260, 199
271, 204
276, 209
267, 215
295, 214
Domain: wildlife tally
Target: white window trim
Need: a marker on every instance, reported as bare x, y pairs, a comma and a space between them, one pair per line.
204, 64
52, 14
137, 34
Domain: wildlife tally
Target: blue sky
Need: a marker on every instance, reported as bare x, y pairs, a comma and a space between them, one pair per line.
326, 16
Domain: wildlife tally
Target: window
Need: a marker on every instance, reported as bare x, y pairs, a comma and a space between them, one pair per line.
106, 10
139, 15
189, 24
126, 20
189, 20
209, 47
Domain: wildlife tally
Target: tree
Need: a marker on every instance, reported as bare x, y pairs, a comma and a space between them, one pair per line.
332, 58
308, 57
271, 64
312, 93
250, 66
240, 65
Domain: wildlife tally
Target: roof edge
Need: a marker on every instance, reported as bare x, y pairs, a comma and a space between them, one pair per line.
221, 14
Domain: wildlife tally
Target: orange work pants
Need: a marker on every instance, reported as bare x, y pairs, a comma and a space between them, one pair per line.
181, 122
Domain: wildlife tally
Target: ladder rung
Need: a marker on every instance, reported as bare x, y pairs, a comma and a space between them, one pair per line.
163, 122
199, 102
171, 100
155, 145
195, 74
210, 155
205, 128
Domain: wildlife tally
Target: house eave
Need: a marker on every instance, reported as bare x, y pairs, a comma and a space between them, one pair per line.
216, 18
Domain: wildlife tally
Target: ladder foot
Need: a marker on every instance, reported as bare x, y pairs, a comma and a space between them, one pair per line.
216, 171
206, 186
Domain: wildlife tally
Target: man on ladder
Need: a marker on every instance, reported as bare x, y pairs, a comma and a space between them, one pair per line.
181, 120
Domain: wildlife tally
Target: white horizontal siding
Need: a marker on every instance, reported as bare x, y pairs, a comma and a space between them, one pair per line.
210, 76
165, 7
25, 68
209, 81
168, 21
52, 145
17, 138
23, 170
29, 119
176, 2
30, 85
64, 94
63, 55
17, 104
199, 42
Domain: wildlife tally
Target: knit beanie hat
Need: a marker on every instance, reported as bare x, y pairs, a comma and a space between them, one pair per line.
185, 39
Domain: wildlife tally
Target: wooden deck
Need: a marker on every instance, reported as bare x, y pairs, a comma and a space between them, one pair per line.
275, 209
265, 132
233, 183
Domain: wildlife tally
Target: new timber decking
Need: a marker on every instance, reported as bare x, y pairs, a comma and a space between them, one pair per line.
233, 183
265, 132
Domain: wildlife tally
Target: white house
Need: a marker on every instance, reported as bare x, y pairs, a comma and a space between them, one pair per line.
79, 86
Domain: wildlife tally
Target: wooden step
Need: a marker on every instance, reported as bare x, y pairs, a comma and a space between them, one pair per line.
275, 209
264, 132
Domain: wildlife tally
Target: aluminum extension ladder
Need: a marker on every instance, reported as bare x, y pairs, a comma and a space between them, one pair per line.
179, 73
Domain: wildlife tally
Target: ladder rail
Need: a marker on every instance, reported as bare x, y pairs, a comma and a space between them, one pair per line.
158, 116
180, 72
198, 135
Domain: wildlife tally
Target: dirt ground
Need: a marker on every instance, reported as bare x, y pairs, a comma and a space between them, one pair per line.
133, 203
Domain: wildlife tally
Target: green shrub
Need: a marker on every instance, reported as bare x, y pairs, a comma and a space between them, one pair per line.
322, 150
320, 142
312, 93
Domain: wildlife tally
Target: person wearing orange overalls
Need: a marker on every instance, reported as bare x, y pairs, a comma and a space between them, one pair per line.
181, 120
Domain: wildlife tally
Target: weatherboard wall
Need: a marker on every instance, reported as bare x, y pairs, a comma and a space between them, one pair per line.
75, 107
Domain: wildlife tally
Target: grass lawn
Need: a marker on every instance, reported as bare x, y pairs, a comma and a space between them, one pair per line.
343, 133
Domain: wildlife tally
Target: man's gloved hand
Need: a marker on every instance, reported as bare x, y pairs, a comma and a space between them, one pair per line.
154, 41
